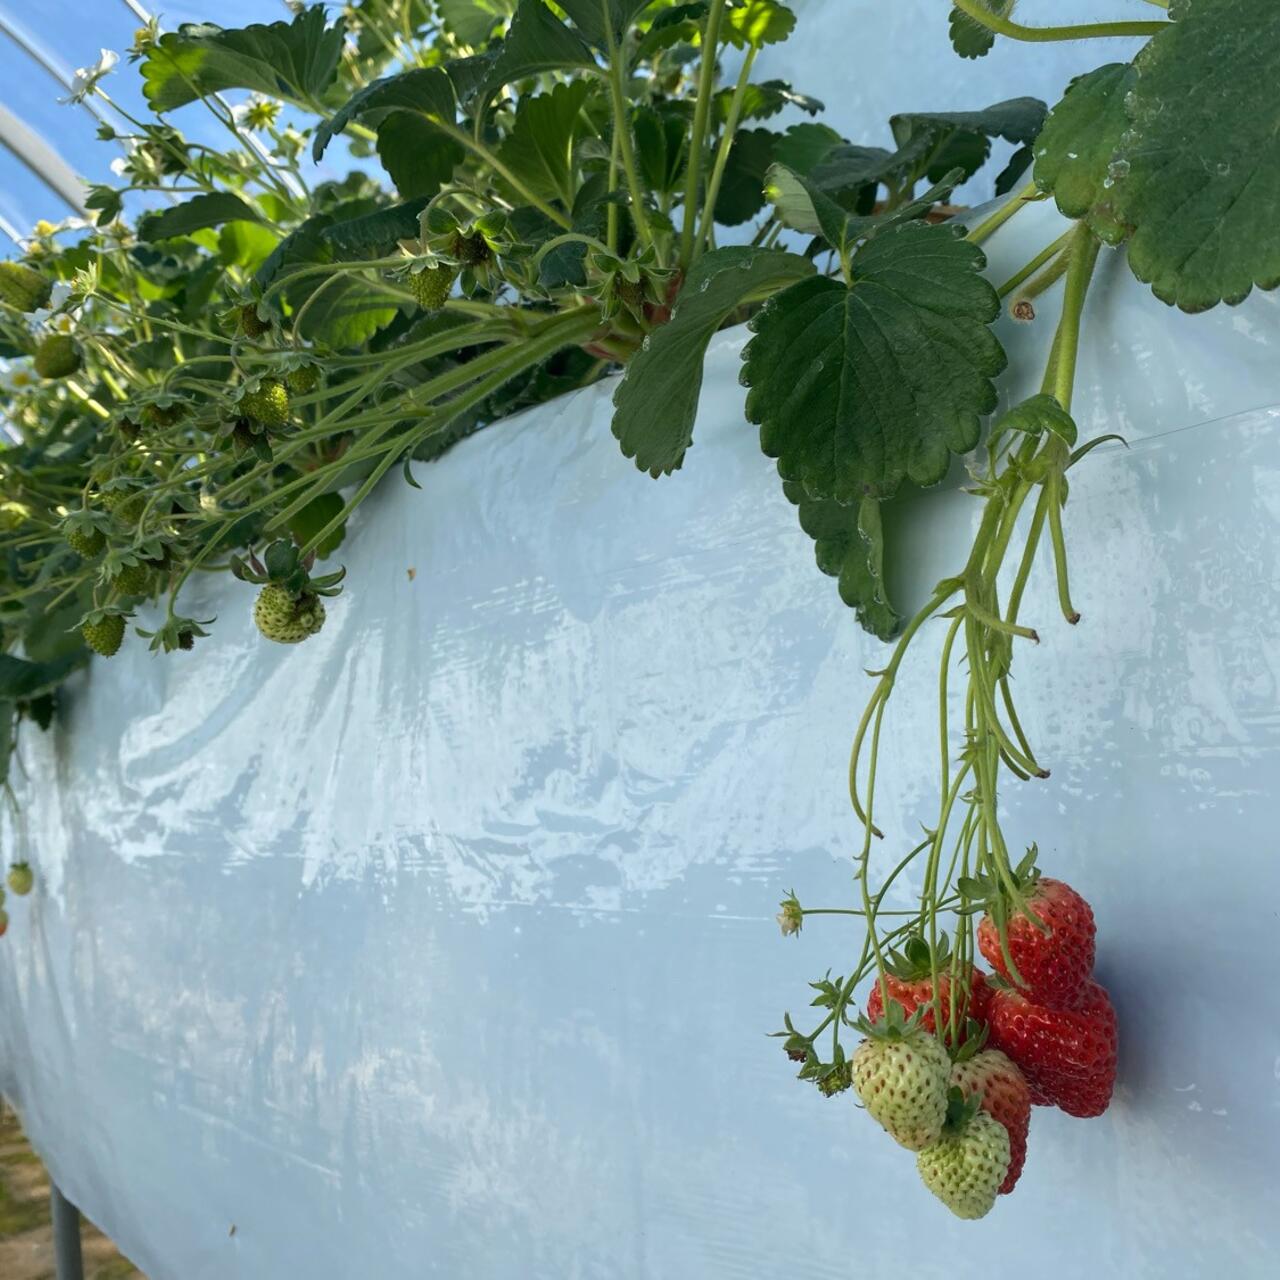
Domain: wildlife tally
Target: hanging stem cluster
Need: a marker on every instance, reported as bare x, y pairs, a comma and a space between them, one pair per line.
1027, 455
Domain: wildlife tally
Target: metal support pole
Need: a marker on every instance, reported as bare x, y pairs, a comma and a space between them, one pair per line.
66, 1237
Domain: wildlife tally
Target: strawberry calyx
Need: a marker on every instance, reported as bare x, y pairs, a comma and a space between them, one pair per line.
961, 1108
1004, 896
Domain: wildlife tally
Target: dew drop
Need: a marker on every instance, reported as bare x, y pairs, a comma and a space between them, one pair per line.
1118, 169
704, 286
1223, 168
644, 346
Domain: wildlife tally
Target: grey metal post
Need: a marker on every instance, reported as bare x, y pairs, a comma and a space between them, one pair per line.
66, 1237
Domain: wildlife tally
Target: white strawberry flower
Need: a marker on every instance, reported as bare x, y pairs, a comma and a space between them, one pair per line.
86, 78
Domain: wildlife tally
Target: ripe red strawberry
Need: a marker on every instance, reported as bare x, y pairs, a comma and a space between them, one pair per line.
909, 979
1053, 966
1067, 1055
911, 993
1005, 1096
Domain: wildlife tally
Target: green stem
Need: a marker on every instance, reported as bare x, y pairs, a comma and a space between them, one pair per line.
1080, 31
622, 131
1083, 258
611, 215
1049, 251
995, 221
882, 690
1052, 487
726, 143
551, 341
698, 136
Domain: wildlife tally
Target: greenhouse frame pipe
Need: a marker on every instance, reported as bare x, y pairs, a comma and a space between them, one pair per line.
47, 64
67, 1261
27, 146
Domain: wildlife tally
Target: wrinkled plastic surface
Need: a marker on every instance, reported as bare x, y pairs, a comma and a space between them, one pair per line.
443, 944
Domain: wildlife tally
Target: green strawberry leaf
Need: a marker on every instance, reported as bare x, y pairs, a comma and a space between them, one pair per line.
757, 23
345, 310
661, 134
857, 388
21, 680
847, 169
681, 24
804, 206
375, 234
309, 520
589, 17
805, 146
741, 194
539, 148
472, 22
418, 157
1197, 177
760, 101
931, 143
566, 263
427, 91
295, 60
1036, 415
245, 244
849, 546
202, 211
537, 41
656, 401
971, 39
1079, 139
1019, 163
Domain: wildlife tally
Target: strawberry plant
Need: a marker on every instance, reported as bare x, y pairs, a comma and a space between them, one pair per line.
222, 368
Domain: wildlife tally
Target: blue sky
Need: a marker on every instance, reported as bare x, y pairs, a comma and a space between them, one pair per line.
860, 83
71, 32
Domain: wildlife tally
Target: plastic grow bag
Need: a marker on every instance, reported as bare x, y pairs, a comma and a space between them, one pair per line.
443, 944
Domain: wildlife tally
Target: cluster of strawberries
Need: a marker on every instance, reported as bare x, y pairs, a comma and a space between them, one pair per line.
21, 880
1038, 1031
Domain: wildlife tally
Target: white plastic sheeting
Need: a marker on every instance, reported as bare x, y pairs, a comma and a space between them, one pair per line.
443, 944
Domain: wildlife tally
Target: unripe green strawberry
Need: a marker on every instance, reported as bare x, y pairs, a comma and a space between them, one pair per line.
162, 415
285, 619
964, 1169
302, 379
268, 404
902, 1082
85, 543
431, 287
132, 580
125, 504
23, 288
249, 322
21, 879
103, 635
57, 356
